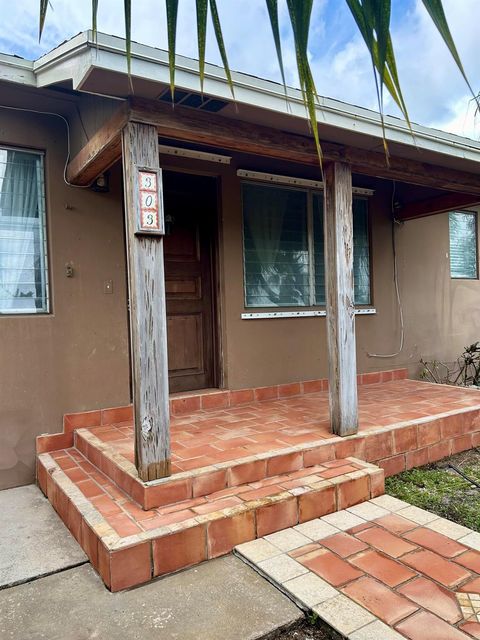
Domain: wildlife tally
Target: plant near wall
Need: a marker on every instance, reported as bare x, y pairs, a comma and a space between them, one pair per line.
372, 18
465, 371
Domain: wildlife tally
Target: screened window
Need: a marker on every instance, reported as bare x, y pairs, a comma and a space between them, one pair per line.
463, 244
284, 247
23, 259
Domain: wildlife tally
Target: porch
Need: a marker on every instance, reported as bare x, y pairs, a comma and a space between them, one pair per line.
244, 464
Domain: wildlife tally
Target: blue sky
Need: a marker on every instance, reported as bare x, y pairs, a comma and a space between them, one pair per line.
436, 94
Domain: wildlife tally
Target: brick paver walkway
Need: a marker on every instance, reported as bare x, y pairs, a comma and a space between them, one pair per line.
379, 570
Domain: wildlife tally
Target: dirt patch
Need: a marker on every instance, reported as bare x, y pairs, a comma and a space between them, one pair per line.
309, 629
441, 489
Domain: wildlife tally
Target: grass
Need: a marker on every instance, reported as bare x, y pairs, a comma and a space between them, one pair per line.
439, 489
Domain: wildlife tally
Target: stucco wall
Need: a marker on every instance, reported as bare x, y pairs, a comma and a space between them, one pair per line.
76, 358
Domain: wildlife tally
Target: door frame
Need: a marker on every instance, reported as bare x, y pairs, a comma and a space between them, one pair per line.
216, 279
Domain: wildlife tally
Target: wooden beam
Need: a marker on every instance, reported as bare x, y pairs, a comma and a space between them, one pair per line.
218, 131
148, 326
439, 204
215, 130
102, 150
338, 225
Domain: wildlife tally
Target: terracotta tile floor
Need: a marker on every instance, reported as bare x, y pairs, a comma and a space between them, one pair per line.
127, 518
388, 570
207, 437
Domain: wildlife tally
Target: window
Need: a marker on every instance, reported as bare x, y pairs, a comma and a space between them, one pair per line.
284, 247
463, 244
23, 259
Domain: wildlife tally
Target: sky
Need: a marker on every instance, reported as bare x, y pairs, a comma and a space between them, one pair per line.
435, 93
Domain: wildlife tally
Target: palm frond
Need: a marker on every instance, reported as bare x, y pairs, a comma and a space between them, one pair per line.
217, 28
272, 7
437, 14
300, 14
172, 15
202, 14
127, 8
94, 16
43, 15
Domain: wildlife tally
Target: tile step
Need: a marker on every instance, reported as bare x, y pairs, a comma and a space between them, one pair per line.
128, 545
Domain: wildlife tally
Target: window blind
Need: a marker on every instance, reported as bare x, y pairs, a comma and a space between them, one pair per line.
275, 246
281, 224
361, 251
23, 256
463, 244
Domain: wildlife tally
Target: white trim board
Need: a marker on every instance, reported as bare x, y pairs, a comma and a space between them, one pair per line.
264, 315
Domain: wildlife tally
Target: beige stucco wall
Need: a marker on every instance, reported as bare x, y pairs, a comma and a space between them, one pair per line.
76, 358
441, 313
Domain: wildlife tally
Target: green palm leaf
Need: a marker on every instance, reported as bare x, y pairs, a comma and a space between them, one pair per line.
437, 14
272, 6
300, 14
43, 15
94, 16
202, 14
221, 45
172, 15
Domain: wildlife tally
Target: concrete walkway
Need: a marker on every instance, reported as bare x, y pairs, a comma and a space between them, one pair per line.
221, 599
34, 541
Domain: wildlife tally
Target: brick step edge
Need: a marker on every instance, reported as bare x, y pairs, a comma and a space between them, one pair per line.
394, 448
129, 561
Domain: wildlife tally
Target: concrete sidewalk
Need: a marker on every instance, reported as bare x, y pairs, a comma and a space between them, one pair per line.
222, 599
34, 541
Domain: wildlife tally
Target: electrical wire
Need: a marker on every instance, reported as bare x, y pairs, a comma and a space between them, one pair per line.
57, 115
397, 287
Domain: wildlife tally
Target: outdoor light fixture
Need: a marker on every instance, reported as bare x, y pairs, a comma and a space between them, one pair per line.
101, 184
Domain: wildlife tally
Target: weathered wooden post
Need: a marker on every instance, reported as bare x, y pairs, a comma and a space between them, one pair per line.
146, 278
338, 225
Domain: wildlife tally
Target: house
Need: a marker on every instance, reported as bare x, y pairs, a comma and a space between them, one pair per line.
204, 223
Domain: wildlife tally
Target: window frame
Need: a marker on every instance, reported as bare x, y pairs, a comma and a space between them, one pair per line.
44, 227
475, 217
309, 191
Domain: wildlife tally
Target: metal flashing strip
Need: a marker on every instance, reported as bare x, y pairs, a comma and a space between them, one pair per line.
192, 153
261, 315
292, 181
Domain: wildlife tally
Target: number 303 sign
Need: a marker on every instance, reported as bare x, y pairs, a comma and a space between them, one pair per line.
150, 205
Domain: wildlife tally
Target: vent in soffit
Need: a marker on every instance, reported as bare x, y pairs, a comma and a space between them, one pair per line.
193, 100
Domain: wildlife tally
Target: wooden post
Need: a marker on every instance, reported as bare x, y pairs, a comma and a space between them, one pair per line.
148, 327
338, 225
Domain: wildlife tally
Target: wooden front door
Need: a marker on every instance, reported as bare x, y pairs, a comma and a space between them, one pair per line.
190, 215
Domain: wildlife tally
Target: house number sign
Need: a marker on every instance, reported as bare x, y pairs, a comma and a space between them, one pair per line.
150, 203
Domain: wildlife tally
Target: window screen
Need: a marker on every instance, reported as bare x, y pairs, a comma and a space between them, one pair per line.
275, 246
361, 251
463, 244
23, 260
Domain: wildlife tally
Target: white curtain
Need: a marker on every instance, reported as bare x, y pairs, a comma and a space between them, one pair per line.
22, 272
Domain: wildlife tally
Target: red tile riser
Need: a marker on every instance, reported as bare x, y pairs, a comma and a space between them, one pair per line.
373, 443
